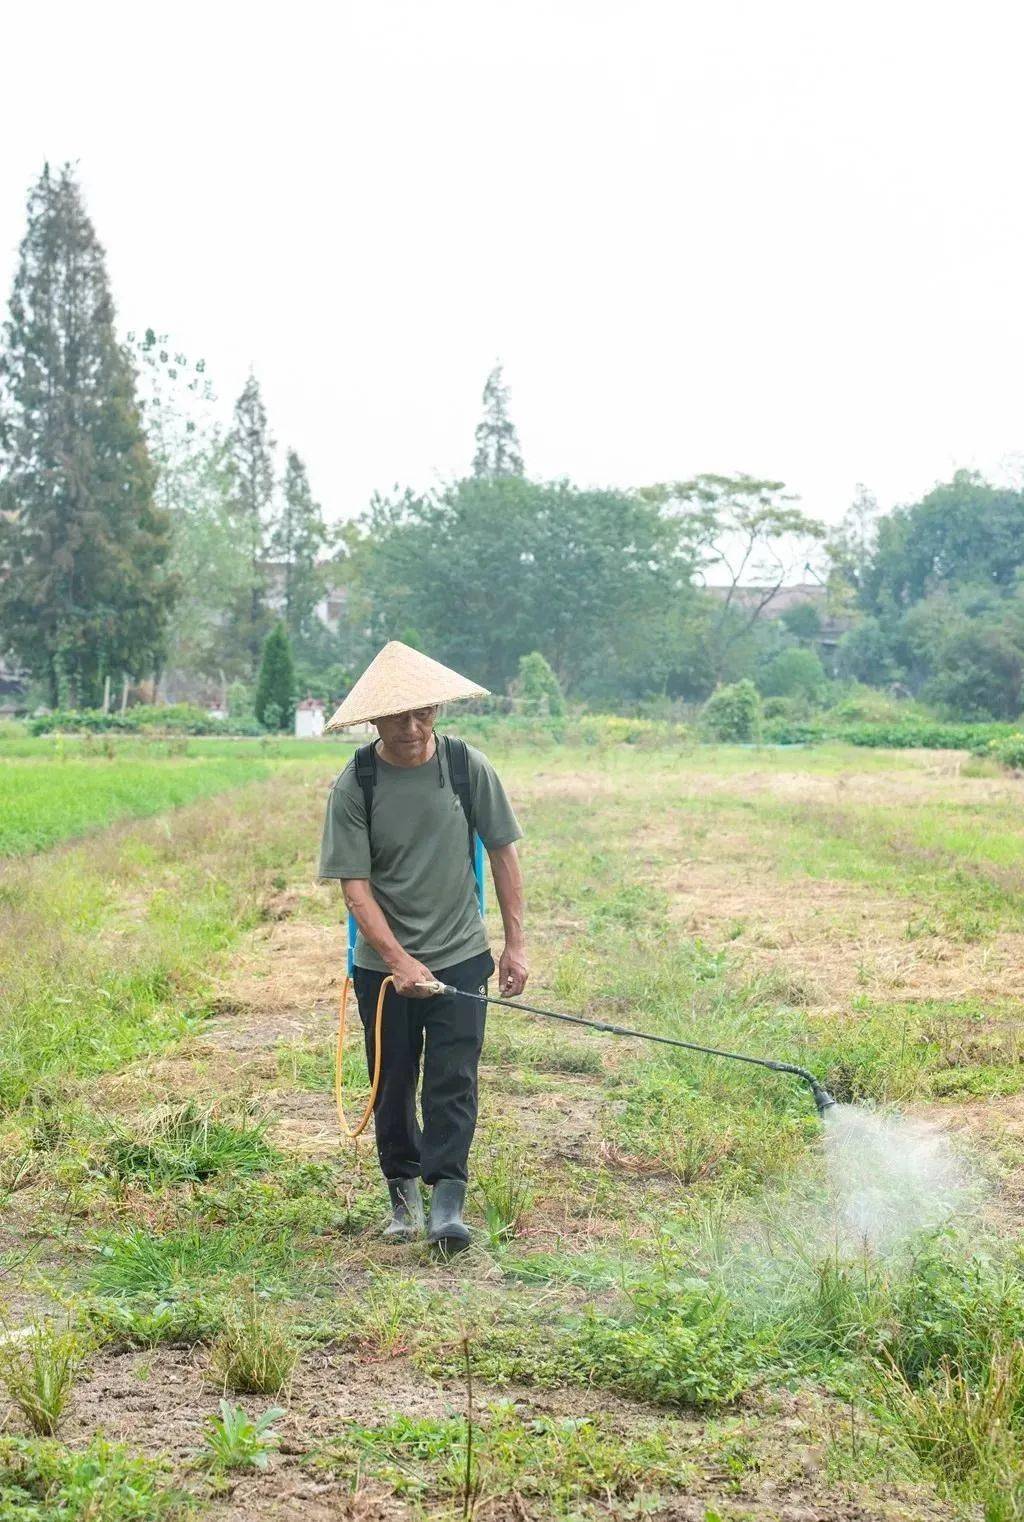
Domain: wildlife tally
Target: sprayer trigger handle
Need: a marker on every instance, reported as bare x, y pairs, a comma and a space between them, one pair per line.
432, 984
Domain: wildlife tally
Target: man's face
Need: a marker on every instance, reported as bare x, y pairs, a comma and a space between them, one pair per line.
409, 731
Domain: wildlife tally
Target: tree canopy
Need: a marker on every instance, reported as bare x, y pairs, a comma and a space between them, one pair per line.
85, 592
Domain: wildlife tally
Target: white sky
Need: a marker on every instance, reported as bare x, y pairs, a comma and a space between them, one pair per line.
779, 237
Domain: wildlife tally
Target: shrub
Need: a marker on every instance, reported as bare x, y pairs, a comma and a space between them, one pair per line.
1009, 750
794, 673
539, 688
733, 713
156, 718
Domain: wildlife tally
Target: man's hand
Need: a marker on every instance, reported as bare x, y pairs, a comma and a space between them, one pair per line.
407, 973
512, 971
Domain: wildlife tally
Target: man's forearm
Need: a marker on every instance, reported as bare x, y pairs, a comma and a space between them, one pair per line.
508, 885
369, 916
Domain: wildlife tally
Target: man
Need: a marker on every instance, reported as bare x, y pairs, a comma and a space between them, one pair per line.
397, 836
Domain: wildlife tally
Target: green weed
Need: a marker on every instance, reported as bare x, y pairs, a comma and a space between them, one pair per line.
970, 1431
255, 1353
42, 1481
562, 1462
184, 1262
187, 1143
182, 1322
39, 1371
504, 1188
235, 1440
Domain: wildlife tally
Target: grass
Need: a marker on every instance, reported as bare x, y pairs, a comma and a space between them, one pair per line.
651, 1225
46, 1482
135, 1262
255, 1353
187, 1143
38, 1371
503, 1186
104, 949
41, 805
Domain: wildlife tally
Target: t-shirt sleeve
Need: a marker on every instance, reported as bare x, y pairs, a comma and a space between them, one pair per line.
345, 845
495, 818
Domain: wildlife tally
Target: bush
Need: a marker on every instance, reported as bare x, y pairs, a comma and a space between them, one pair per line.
539, 688
733, 714
1009, 750
156, 718
794, 673
612, 729
869, 705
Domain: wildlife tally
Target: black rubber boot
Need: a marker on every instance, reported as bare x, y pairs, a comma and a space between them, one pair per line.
406, 1209
446, 1228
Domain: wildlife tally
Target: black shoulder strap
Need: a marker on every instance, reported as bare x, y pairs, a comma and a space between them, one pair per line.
458, 771
366, 775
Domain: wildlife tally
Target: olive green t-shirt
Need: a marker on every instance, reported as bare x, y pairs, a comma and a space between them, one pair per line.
420, 870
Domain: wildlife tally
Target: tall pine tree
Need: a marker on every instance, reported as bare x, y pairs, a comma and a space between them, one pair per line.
84, 587
497, 443
252, 465
299, 536
275, 689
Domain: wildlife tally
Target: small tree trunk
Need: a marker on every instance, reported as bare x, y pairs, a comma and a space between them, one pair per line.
124, 695
106, 693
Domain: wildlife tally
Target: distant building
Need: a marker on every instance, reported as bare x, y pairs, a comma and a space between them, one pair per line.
309, 719
329, 610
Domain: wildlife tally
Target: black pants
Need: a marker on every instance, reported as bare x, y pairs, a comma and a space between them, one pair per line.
447, 1032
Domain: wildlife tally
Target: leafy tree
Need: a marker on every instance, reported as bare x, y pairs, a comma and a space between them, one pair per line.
794, 673
86, 592
745, 530
298, 538
851, 546
979, 673
578, 572
275, 687
865, 653
802, 620
538, 686
733, 713
497, 443
194, 485
963, 532
251, 455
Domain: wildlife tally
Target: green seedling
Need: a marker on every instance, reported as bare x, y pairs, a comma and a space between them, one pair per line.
235, 1440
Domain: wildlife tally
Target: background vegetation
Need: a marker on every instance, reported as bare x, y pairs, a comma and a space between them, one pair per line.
149, 552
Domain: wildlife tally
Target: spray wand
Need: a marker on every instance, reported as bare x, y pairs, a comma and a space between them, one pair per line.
822, 1098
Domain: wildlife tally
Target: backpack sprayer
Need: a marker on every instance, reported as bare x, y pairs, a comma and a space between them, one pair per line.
822, 1098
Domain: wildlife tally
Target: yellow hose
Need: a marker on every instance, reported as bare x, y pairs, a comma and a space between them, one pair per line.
364, 1119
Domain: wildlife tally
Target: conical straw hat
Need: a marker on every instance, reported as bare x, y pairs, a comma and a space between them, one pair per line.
399, 678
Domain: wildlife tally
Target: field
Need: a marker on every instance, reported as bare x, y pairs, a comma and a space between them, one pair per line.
662, 1314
